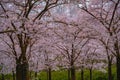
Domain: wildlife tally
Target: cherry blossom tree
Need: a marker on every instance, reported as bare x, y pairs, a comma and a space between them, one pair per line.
70, 43
50, 34
5, 66
20, 19
110, 56
95, 58
107, 15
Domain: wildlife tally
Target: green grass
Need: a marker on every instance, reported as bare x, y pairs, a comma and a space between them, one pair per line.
62, 75
7, 77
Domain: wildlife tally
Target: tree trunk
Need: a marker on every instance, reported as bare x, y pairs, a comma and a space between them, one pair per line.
13, 73
35, 75
3, 76
30, 75
109, 70
116, 47
68, 73
49, 73
22, 71
25, 71
18, 71
118, 68
73, 73
90, 73
82, 74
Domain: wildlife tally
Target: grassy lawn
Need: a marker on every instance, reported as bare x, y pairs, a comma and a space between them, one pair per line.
62, 75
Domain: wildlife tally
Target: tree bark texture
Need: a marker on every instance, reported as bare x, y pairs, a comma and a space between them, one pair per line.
3, 76
82, 74
13, 74
22, 71
68, 73
90, 73
109, 70
73, 73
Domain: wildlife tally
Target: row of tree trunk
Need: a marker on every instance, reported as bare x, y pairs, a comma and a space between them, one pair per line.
22, 71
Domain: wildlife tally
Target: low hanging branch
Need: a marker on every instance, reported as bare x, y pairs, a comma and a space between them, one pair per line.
6, 31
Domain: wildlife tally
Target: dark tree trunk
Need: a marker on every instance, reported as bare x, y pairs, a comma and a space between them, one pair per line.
25, 71
82, 74
22, 71
35, 75
49, 74
3, 76
18, 71
116, 47
109, 70
90, 73
30, 75
13, 73
73, 73
73, 77
118, 68
68, 73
